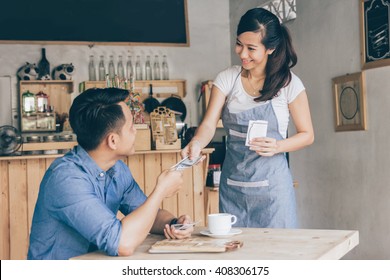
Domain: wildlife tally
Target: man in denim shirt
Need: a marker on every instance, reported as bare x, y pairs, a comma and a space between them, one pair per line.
82, 191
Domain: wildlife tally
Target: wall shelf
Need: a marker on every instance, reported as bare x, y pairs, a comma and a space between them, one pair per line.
59, 94
161, 88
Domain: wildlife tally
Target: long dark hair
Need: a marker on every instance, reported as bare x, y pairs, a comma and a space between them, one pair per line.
96, 112
275, 36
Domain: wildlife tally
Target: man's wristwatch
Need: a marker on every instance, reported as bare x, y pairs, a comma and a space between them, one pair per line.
173, 221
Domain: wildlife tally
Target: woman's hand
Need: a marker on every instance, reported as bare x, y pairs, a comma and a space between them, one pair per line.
192, 150
171, 233
264, 146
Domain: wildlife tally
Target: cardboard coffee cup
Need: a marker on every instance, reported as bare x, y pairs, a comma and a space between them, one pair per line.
220, 223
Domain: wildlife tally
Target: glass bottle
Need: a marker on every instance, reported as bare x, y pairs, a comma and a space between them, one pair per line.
165, 69
132, 84
138, 70
102, 69
108, 81
121, 69
111, 68
156, 68
148, 68
42, 102
43, 66
213, 175
129, 68
91, 68
28, 102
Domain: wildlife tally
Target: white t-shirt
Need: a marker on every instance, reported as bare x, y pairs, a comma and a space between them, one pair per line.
229, 82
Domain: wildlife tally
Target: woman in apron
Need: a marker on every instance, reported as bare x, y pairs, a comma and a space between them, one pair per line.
256, 183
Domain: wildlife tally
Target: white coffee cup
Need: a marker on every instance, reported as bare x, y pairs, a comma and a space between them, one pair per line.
220, 223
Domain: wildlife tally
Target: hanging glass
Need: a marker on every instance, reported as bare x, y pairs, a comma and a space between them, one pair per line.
165, 69
102, 69
91, 68
111, 68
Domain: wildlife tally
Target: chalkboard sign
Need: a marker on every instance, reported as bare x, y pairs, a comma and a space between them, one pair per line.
160, 22
375, 22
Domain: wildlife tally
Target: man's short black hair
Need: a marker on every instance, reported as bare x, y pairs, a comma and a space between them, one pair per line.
96, 112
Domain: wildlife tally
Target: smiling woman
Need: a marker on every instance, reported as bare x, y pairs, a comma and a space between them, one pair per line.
96, 21
262, 88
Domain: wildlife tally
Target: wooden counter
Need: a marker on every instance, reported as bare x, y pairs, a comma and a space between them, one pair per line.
258, 244
20, 177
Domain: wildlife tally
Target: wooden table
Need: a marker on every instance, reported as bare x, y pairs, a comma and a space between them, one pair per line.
259, 244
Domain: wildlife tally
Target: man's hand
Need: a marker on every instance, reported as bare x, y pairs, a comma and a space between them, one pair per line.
169, 182
171, 232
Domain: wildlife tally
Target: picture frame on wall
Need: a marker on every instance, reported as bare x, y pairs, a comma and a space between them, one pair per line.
375, 33
350, 102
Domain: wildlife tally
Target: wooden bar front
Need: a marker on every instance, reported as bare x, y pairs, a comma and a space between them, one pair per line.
20, 177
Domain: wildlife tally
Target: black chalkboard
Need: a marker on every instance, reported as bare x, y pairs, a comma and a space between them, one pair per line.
95, 21
376, 33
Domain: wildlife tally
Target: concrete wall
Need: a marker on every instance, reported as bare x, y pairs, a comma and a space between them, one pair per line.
344, 178
209, 52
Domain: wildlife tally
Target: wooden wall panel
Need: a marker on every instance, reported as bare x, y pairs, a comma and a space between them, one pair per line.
185, 195
198, 193
4, 214
18, 209
137, 167
34, 178
212, 201
167, 161
152, 170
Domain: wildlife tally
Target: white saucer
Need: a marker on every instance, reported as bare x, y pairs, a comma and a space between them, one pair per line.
232, 232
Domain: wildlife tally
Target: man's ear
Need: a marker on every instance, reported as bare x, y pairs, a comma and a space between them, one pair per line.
112, 141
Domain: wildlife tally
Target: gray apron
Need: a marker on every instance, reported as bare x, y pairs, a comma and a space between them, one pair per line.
258, 190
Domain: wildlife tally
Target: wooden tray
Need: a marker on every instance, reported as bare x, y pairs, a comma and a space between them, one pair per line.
195, 245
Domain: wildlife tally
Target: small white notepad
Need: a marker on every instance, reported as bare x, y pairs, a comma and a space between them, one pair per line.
256, 129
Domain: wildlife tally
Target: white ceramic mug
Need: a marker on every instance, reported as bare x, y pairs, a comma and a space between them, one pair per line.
220, 223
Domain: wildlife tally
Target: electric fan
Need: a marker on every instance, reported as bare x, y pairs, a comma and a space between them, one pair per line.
10, 140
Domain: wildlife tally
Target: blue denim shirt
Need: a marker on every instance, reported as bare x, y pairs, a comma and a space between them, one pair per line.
77, 206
